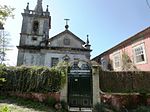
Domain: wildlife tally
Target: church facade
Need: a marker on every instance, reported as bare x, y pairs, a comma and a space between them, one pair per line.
37, 48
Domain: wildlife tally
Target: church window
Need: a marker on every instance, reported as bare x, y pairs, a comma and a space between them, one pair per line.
54, 61
76, 59
66, 41
35, 26
34, 38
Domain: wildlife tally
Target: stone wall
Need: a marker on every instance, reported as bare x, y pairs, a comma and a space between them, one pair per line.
129, 101
37, 96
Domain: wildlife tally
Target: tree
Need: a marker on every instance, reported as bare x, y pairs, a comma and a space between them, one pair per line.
109, 66
4, 45
5, 12
127, 64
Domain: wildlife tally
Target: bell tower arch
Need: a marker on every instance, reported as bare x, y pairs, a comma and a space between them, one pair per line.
34, 35
35, 25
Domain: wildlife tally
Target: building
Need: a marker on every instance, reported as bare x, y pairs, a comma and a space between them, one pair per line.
36, 48
131, 54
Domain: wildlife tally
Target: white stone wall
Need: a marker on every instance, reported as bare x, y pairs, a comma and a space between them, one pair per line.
30, 23
50, 55
74, 43
43, 57
27, 32
31, 59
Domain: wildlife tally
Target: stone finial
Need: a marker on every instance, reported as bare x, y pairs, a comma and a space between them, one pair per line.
27, 7
87, 45
47, 9
87, 42
39, 8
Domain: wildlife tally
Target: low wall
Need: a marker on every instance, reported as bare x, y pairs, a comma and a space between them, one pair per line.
129, 101
37, 96
125, 82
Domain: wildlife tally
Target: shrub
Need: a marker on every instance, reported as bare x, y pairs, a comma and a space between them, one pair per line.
5, 109
64, 105
58, 106
101, 107
31, 79
51, 101
142, 109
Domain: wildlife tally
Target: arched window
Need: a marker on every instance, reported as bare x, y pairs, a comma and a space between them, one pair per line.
35, 26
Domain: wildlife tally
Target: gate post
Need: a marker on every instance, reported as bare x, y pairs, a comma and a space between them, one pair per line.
96, 88
64, 89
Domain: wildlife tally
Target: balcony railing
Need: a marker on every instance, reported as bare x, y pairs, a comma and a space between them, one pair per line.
32, 12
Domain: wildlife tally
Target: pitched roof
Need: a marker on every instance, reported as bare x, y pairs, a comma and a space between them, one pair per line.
66, 32
126, 42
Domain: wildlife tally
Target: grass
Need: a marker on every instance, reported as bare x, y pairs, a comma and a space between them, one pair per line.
15, 104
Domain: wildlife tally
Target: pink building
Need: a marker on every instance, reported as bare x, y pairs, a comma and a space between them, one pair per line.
131, 54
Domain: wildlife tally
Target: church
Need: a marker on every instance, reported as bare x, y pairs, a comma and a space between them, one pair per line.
37, 48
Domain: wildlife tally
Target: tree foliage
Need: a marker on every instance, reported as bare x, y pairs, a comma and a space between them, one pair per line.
5, 12
127, 64
62, 66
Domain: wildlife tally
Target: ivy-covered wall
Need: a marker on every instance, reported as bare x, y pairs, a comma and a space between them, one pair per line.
30, 79
125, 82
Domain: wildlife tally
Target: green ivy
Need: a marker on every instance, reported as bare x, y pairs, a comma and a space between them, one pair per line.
31, 79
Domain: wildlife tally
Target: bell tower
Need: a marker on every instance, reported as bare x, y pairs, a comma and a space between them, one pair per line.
34, 35
35, 26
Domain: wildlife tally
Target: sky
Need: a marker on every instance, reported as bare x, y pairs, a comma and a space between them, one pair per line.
107, 22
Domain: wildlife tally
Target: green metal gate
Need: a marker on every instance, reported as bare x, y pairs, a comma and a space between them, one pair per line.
80, 90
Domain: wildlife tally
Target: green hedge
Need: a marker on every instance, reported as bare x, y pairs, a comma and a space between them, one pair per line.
30, 79
125, 82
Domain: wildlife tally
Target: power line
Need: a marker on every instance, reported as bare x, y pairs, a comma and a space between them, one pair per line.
147, 2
